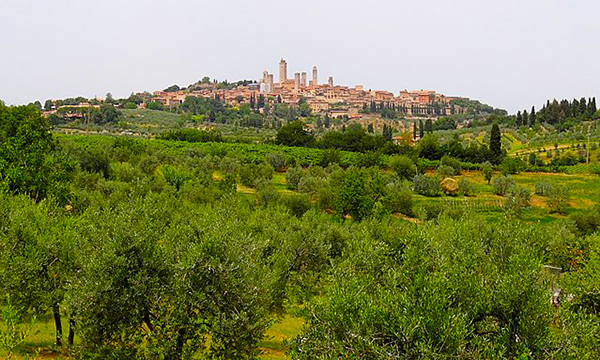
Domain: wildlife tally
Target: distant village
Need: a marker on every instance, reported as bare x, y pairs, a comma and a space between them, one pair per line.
335, 101
323, 98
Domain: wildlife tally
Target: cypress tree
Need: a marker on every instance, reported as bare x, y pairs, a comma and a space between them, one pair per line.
532, 116
519, 120
415, 130
429, 126
421, 129
525, 117
496, 141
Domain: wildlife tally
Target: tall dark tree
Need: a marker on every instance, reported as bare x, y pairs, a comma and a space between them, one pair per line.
496, 141
421, 129
326, 121
532, 116
415, 130
429, 126
525, 118
519, 119
582, 106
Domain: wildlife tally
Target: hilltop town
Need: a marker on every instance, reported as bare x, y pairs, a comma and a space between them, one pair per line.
323, 98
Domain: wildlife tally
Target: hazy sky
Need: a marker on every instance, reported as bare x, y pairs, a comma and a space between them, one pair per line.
510, 54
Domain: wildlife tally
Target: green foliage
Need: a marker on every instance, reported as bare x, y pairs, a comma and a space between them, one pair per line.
29, 163
293, 134
359, 190
445, 171
451, 162
399, 198
477, 303
502, 184
297, 205
517, 199
587, 222
251, 173
466, 187
487, 171
403, 166
277, 160
293, 176
543, 188
558, 199
192, 135
12, 332
426, 186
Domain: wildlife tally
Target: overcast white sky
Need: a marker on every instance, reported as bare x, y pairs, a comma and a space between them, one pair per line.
511, 54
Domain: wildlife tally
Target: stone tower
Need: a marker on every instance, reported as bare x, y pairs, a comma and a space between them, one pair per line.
315, 79
282, 71
296, 81
330, 82
303, 82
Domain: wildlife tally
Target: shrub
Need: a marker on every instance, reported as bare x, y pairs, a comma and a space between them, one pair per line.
511, 166
558, 199
251, 173
466, 187
445, 171
399, 198
293, 176
124, 172
277, 160
403, 166
369, 159
266, 194
502, 184
543, 188
331, 156
486, 171
431, 210
587, 222
175, 176
309, 184
425, 185
517, 199
297, 204
453, 163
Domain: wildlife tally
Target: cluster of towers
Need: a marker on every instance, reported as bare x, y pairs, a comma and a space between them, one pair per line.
299, 81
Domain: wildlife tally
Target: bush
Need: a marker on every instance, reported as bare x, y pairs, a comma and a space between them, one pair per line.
369, 159
543, 188
466, 187
297, 204
425, 185
445, 171
587, 222
293, 176
266, 194
517, 200
175, 176
453, 163
399, 199
251, 173
487, 171
331, 156
502, 184
277, 160
403, 166
431, 210
511, 166
124, 172
558, 199
309, 185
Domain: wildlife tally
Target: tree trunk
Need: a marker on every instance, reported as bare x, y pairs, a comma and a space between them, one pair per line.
58, 324
180, 341
71, 330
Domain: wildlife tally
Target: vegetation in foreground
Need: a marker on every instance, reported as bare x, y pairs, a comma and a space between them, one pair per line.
158, 249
